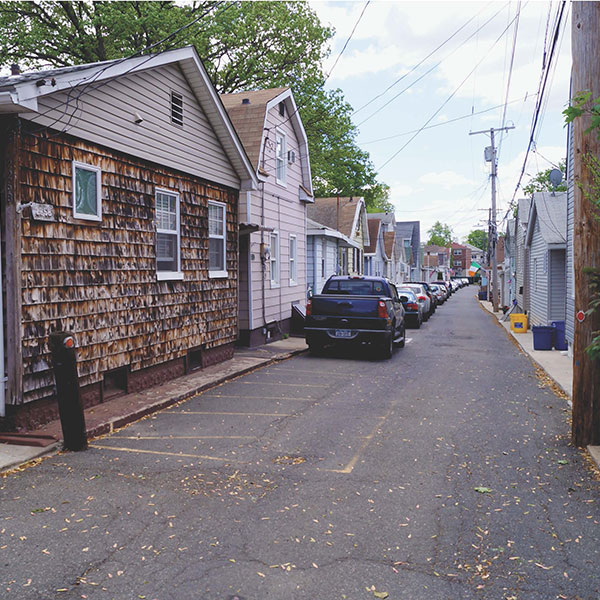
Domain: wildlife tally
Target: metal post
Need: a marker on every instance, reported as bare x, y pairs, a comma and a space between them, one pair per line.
64, 361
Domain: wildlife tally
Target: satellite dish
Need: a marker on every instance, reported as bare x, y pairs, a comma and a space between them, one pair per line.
555, 176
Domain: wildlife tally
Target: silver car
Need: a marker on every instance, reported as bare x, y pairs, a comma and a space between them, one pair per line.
422, 298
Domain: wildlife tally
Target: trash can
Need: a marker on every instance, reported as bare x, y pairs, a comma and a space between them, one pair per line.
543, 336
483, 295
560, 342
518, 323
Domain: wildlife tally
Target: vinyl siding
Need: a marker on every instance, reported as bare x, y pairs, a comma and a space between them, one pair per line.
538, 270
104, 114
557, 286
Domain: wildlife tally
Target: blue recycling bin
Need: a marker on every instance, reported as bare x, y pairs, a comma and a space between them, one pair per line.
543, 336
560, 342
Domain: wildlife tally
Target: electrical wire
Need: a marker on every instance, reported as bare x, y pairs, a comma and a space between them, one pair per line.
449, 97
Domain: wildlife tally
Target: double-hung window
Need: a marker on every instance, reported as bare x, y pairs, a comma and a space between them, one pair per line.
168, 242
293, 260
280, 157
217, 231
87, 192
275, 259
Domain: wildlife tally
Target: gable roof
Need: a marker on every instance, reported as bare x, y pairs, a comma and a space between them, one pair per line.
523, 208
374, 227
389, 239
338, 213
248, 113
20, 94
314, 228
550, 212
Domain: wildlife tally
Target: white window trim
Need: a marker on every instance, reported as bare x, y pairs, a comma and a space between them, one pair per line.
275, 283
293, 281
282, 182
178, 274
223, 273
98, 172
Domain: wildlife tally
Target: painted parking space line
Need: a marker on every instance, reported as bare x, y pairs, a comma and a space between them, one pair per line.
227, 397
408, 340
161, 453
234, 414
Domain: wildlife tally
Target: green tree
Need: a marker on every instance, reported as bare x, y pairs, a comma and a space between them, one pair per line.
439, 235
478, 238
244, 45
541, 182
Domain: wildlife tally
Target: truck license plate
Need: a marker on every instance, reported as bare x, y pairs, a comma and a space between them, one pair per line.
343, 333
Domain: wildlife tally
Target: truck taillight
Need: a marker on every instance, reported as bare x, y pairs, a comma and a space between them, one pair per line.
382, 312
309, 308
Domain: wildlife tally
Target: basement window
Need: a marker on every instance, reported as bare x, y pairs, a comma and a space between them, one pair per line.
176, 108
115, 383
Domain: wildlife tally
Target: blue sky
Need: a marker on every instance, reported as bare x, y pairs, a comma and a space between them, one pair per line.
441, 174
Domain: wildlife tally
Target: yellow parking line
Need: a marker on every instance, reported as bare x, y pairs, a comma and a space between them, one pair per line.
237, 414
288, 384
176, 454
259, 397
187, 437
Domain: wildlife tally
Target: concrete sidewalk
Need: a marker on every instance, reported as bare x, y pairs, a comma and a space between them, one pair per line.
557, 364
104, 418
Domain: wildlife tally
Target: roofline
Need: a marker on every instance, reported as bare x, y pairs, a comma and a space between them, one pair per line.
25, 95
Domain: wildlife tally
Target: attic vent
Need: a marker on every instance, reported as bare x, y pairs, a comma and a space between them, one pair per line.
282, 109
245, 100
176, 108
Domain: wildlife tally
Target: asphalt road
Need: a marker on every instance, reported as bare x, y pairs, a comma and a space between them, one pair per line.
443, 473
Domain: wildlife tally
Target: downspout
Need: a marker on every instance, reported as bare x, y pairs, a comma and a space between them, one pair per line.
2, 371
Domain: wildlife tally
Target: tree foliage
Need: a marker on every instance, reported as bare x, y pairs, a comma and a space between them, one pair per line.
439, 235
478, 238
541, 182
244, 46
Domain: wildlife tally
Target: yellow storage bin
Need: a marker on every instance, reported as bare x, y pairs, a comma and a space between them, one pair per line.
518, 323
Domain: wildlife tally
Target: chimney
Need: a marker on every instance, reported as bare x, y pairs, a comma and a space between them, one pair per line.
15, 69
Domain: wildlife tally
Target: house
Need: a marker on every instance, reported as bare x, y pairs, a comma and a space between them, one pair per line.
375, 257
477, 254
546, 240
398, 269
436, 264
522, 255
348, 215
508, 287
324, 247
119, 200
408, 236
273, 217
461, 259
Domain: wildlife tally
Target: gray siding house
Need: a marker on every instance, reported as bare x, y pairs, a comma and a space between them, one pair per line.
522, 255
546, 239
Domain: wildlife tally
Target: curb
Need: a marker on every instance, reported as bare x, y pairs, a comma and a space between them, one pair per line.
47, 450
122, 421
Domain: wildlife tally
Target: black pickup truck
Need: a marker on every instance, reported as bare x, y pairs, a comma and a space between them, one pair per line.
356, 309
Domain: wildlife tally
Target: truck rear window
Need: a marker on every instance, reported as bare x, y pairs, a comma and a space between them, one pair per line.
354, 287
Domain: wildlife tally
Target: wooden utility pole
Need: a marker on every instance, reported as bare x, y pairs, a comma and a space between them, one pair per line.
585, 36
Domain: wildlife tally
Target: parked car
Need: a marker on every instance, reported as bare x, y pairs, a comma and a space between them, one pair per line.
413, 309
355, 310
437, 290
431, 295
422, 297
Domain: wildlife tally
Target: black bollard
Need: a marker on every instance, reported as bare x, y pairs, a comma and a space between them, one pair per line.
64, 361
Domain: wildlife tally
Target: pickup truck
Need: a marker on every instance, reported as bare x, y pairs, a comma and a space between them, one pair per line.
356, 310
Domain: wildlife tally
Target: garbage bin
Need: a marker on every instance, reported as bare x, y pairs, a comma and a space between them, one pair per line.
560, 343
542, 337
483, 295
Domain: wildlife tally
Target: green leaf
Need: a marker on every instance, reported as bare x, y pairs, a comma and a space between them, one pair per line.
380, 594
562, 462
483, 490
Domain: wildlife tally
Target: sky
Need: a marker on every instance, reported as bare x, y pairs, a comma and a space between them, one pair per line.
449, 65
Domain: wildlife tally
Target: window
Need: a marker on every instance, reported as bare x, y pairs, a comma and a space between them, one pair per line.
167, 235
176, 108
274, 259
293, 260
457, 252
217, 230
282, 109
280, 157
87, 192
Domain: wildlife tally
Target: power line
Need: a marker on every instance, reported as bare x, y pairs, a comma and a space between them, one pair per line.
431, 69
420, 62
449, 97
450, 120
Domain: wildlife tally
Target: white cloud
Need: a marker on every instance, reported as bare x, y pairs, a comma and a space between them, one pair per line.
446, 180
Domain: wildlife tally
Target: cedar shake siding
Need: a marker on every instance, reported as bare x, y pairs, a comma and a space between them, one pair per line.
98, 279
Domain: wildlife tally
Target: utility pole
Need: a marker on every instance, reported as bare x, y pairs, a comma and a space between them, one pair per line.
493, 229
585, 38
